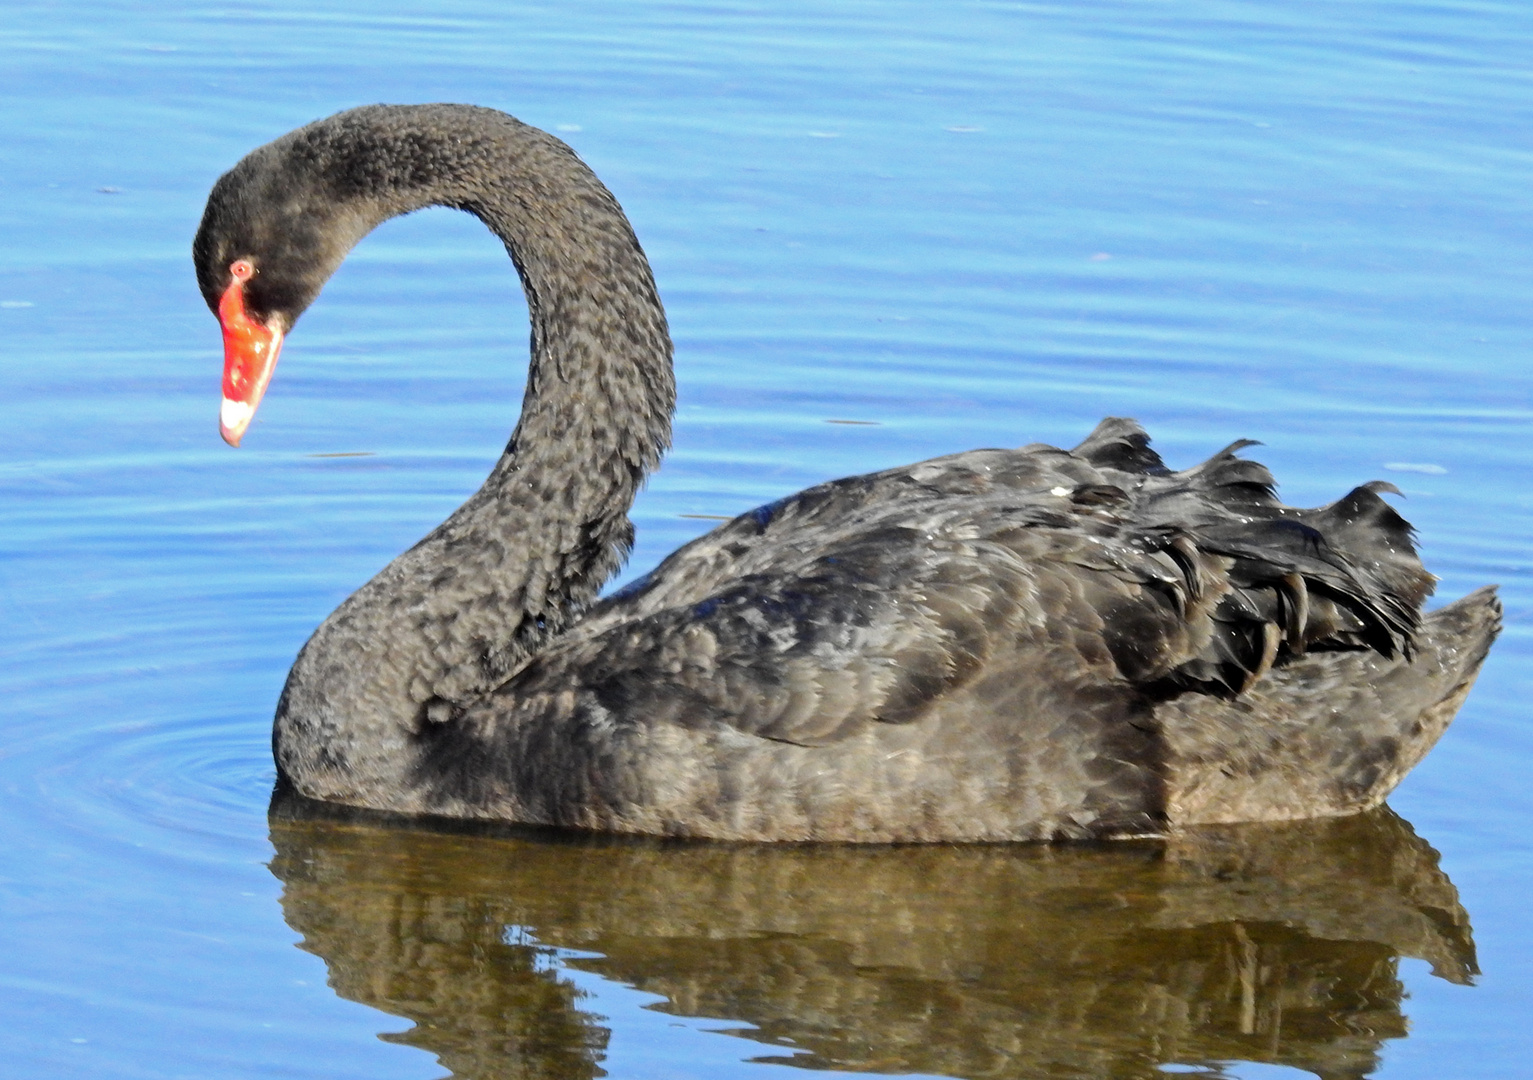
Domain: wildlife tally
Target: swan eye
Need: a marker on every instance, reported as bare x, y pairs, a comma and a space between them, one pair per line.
242, 269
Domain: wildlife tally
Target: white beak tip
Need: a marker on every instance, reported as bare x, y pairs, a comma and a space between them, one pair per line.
233, 418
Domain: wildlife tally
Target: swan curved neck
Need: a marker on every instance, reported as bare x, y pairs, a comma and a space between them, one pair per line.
477, 597
599, 373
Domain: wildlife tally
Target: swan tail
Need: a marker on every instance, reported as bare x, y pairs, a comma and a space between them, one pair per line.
1329, 733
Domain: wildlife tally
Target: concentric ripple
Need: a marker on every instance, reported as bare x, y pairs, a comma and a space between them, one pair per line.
184, 786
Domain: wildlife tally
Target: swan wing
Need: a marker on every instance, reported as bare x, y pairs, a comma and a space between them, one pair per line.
891, 621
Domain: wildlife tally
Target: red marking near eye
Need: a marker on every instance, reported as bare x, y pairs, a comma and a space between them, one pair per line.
250, 355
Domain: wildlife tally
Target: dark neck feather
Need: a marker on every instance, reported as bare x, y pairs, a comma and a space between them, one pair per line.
476, 598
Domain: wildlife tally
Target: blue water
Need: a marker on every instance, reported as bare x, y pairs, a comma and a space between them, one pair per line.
961, 224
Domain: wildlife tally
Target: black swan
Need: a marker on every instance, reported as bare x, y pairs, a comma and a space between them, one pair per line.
995, 645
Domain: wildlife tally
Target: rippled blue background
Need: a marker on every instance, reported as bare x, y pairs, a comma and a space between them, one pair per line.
967, 223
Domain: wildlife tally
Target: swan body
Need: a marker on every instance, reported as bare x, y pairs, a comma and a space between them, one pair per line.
995, 645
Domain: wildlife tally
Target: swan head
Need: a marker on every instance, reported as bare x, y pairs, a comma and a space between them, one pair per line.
275, 228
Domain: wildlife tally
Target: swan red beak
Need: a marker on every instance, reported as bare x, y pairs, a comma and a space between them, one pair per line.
250, 356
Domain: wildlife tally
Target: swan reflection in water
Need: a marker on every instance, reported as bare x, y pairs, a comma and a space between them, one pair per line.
1270, 943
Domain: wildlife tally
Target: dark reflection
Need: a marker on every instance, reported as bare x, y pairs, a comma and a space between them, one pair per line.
1274, 943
